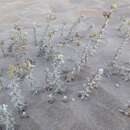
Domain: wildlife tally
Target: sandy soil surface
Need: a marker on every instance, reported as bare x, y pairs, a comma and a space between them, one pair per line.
100, 112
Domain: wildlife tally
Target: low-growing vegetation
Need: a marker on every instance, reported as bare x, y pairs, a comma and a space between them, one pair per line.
65, 63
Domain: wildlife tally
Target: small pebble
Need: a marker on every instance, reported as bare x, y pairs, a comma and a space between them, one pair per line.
87, 95
117, 85
101, 71
24, 115
73, 99
65, 99
51, 99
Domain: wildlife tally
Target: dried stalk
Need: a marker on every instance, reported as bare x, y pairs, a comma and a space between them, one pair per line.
35, 35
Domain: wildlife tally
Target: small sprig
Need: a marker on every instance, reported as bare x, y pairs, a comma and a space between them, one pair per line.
48, 51
97, 36
46, 48
1, 80
2, 48
70, 76
48, 32
6, 117
114, 6
113, 68
53, 78
18, 42
20, 70
16, 96
91, 85
118, 52
10, 70
121, 71
124, 27
125, 110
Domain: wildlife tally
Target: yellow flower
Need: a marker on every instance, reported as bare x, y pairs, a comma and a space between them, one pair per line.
114, 6
29, 64
13, 36
10, 70
93, 34
128, 21
60, 44
50, 34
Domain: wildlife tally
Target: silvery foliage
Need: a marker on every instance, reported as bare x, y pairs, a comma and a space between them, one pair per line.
99, 36
91, 85
33, 83
1, 80
16, 96
87, 50
47, 51
124, 27
6, 117
125, 110
122, 71
18, 42
77, 68
1, 84
2, 48
113, 68
84, 56
97, 40
53, 77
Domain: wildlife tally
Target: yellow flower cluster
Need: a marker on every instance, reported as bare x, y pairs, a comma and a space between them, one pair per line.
22, 68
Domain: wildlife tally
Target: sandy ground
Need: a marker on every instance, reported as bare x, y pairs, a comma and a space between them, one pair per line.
100, 112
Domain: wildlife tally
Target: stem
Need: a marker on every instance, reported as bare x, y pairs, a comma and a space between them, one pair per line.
3, 52
1, 84
35, 35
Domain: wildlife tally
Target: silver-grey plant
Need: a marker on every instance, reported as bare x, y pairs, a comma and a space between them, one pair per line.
114, 68
77, 68
53, 77
7, 119
124, 27
16, 96
18, 42
91, 85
